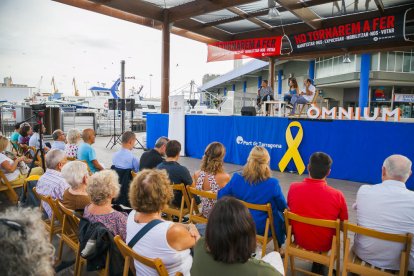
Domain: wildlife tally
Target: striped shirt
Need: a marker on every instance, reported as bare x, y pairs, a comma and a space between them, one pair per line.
51, 183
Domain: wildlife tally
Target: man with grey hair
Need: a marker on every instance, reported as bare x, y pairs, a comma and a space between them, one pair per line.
386, 207
59, 139
150, 159
52, 183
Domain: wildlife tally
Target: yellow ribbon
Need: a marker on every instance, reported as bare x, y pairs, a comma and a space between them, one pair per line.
292, 151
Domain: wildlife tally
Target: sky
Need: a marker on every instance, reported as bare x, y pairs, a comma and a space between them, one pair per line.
41, 39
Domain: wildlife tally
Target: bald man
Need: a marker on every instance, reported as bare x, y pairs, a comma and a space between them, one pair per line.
386, 207
87, 153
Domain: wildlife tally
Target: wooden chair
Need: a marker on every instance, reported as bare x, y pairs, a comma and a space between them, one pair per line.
69, 236
16, 148
30, 178
194, 214
130, 254
184, 208
71, 158
8, 189
352, 263
293, 250
52, 225
133, 174
263, 240
309, 104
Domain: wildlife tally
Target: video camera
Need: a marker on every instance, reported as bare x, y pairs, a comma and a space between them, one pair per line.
38, 107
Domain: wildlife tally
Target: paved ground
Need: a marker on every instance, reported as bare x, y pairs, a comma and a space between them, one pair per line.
105, 155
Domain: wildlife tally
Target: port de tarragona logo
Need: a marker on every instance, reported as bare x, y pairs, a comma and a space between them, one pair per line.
241, 141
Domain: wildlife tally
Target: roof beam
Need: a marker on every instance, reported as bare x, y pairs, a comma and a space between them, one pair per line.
199, 28
303, 13
380, 6
254, 20
199, 7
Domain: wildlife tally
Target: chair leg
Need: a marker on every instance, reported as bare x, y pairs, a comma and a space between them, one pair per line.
60, 249
286, 262
292, 265
78, 262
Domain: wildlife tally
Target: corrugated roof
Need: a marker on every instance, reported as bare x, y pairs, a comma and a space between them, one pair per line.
247, 68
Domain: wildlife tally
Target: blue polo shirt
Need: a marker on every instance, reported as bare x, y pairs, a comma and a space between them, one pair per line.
87, 153
125, 159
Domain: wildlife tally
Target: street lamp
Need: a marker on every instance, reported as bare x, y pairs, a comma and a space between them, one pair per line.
150, 75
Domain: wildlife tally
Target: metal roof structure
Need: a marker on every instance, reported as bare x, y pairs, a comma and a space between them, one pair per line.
210, 21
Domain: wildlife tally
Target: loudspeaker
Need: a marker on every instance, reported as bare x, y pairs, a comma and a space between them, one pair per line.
130, 104
111, 104
248, 111
121, 104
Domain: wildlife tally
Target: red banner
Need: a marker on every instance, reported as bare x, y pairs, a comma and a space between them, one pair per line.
246, 48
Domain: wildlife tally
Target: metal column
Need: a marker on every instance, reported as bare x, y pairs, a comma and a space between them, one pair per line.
165, 71
364, 81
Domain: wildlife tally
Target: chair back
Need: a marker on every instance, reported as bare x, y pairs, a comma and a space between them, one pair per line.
41, 198
293, 250
267, 208
71, 222
7, 188
71, 158
195, 216
184, 208
27, 198
16, 147
129, 254
353, 264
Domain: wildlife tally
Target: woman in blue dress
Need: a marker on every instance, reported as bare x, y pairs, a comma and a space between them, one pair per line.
255, 185
293, 89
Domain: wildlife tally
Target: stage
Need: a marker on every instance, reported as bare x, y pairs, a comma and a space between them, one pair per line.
357, 148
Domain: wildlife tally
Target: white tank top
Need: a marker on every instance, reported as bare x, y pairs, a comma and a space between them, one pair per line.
155, 245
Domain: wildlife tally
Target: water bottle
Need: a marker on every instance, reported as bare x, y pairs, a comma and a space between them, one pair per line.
268, 98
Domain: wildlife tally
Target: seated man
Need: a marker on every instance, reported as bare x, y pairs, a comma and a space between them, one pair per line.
59, 139
151, 158
34, 140
313, 198
14, 137
304, 97
52, 183
265, 94
124, 158
87, 153
177, 173
386, 207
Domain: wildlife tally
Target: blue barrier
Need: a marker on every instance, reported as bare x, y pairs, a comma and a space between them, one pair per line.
357, 148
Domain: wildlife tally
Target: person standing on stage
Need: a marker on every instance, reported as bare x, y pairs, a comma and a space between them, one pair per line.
266, 94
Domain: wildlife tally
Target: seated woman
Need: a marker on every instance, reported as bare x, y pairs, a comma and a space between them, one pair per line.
25, 132
211, 176
228, 247
293, 89
149, 193
10, 167
76, 174
14, 137
255, 185
71, 147
102, 187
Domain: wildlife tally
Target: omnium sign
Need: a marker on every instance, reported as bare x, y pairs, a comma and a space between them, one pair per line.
350, 114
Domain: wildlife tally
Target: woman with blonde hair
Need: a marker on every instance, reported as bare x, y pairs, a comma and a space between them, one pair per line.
71, 147
211, 176
10, 167
255, 185
149, 193
102, 187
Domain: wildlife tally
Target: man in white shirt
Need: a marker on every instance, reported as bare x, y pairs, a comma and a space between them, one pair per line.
305, 96
386, 207
59, 139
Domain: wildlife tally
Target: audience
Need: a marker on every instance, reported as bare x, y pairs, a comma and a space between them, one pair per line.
177, 173
150, 192
25, 249
10, 167
150, 159
124, 158
25, 132
14, 137
87, 153
102, 188
71, 148
314, 198
76, 175
34, 140
52, 183
211, 176
59, 139
255, 185
228, 247
386, 207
